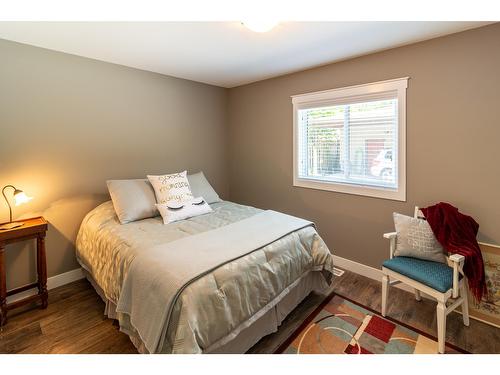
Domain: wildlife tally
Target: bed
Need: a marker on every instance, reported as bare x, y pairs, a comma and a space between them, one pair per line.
226, 310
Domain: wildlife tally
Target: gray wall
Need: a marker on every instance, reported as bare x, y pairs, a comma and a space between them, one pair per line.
69, 123
453, 135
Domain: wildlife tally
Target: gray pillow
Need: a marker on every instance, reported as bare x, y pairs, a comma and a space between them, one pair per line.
416, 239
132, 199
200, 187
136, 200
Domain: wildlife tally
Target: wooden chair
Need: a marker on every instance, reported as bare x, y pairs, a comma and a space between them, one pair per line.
444, 282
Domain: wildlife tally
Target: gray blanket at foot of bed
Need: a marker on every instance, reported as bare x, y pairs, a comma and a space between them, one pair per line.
158, 275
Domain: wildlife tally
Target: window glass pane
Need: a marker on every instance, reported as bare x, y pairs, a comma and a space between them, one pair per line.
372, 140
350, 143
325, 141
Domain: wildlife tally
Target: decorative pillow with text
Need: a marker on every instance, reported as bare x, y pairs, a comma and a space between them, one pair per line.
171, 188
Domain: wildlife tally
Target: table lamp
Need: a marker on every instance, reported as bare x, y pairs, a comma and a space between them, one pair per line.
19, 198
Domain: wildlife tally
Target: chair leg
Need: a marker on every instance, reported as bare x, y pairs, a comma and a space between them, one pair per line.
385, 289
465, 303
418, 297
441, 325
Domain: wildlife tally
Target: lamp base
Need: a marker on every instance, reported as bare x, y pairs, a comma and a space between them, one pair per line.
11, 225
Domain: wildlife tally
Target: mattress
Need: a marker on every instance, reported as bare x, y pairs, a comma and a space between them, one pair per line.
257, 282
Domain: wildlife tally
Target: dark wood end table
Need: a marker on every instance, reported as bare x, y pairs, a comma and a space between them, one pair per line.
34, 228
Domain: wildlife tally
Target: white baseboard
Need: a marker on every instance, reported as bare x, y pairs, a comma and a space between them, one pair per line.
65, 278
367, 271
358, 268
52, 282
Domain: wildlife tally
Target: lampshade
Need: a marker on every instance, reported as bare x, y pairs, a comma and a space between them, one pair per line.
20, 197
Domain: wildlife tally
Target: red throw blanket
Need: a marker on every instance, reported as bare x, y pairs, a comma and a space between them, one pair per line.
457, 232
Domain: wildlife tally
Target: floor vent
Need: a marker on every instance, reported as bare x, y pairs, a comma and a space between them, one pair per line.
338, 271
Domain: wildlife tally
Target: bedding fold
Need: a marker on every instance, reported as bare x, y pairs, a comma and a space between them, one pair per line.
159, 274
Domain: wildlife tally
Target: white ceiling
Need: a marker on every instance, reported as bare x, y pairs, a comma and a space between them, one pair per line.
224, 53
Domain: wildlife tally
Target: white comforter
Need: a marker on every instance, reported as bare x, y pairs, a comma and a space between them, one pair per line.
216, 306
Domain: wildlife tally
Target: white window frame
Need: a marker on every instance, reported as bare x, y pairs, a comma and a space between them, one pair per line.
317, 99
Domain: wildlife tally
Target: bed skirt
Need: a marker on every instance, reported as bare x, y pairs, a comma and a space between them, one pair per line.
261, 324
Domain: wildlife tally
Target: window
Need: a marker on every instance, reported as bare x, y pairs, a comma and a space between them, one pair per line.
352, 139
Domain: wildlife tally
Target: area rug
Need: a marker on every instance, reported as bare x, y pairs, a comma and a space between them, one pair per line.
342, 326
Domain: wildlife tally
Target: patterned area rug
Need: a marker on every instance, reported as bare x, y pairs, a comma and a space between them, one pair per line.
342, 326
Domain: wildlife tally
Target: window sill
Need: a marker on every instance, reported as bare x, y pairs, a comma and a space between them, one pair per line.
367, 191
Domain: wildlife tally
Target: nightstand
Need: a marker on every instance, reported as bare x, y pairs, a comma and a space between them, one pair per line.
34, 228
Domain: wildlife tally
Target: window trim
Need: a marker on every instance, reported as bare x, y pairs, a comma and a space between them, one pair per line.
309, 100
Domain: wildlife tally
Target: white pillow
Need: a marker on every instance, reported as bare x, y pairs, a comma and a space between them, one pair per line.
171, 212
171, 188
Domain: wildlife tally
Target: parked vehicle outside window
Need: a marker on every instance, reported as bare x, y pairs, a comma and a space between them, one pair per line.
383, 165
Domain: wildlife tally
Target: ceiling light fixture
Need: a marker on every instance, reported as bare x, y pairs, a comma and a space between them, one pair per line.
260, 25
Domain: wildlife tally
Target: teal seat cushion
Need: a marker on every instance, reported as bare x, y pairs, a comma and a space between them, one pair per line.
438, 276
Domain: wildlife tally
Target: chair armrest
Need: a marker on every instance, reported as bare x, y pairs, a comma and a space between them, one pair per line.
457, 262
457, 258
391, 236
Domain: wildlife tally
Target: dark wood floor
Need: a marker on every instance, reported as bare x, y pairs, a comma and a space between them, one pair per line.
74, 321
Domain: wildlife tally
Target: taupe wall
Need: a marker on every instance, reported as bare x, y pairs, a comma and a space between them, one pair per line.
68, 123
453, 136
